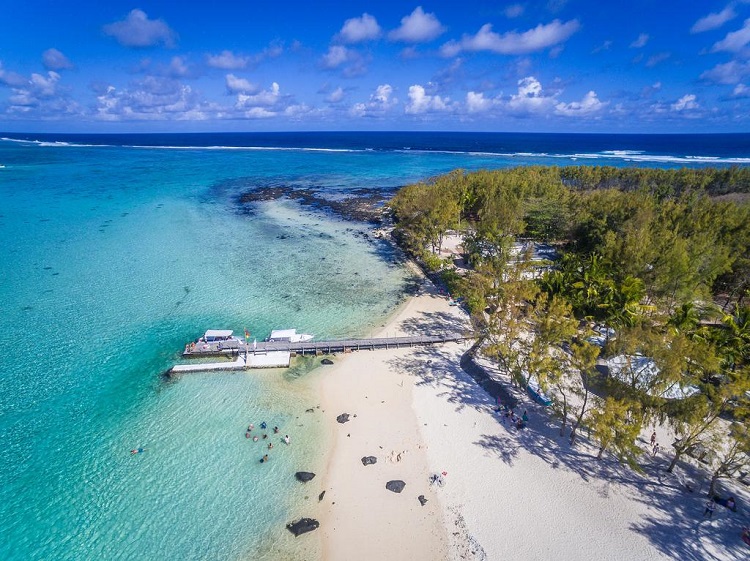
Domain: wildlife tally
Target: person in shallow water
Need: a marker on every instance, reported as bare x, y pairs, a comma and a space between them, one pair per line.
264, 459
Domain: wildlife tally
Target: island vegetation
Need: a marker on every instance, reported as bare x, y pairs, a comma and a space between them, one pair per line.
651, 264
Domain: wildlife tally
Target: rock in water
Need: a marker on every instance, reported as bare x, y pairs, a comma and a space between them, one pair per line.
422, 500
396, 485
367, 460
343, 418
302, 526
304, 476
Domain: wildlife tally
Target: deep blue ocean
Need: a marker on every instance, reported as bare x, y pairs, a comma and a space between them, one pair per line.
119, 249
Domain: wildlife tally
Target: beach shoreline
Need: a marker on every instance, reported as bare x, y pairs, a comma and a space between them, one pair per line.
507, 493
376, 389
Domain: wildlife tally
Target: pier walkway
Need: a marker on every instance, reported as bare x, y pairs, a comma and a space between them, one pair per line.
236, 346
276, 354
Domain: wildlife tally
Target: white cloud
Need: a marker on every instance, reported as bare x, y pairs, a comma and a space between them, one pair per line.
735, 41
380, 102
513, 43
136, 30
477, 103
603, 47
350, 62
731, 72
264, 99
421, 102
514, 11
151, 99
358, 30
335, 57
741, 91
178, 68
336, 96
589, 105
37, 88
237, 85
418, 27
55, 60
530, 98
685, 103
657, 59
714, 20
11, 79
640, 42
227, 60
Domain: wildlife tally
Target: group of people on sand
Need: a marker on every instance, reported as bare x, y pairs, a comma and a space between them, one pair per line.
507, 413
263, 426
654, 444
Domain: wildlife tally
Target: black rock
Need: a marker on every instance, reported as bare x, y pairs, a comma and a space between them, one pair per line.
367, 460
395, 485
343, 418
326, 361
422, 500
322, 494
304, 476
302, 526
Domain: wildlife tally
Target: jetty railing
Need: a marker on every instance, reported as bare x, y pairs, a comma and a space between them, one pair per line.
323, 347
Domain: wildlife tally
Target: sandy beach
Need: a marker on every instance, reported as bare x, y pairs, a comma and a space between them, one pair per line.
507, 493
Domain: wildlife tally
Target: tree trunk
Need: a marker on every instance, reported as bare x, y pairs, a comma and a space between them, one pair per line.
579, 419
677, 454
712, 487
564, 414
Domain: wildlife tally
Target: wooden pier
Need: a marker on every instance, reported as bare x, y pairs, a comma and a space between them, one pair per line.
253, 355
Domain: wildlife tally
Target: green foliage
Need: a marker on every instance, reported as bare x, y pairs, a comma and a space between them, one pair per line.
432, 262
616, 427
645, 251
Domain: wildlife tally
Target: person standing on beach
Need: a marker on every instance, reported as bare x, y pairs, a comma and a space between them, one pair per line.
656, 449
653, 439
709, 508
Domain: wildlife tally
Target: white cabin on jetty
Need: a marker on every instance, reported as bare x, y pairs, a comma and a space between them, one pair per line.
288, 336
237, 353
217, 335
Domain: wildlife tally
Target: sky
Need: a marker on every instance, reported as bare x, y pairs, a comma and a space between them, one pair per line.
636, 66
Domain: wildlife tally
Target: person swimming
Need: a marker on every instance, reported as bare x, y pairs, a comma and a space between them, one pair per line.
264, 459
286, 439
255, 439
137, 450
263, 425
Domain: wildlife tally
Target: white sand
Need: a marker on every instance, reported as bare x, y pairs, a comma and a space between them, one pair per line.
509, 494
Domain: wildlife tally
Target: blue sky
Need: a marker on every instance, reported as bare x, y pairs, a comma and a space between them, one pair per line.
245, 65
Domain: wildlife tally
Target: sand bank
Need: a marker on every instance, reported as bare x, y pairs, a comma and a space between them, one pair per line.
508, 494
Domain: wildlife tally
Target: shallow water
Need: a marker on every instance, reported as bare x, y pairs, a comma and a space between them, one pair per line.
112, 261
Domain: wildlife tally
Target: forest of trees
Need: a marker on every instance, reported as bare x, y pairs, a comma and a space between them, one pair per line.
660, 258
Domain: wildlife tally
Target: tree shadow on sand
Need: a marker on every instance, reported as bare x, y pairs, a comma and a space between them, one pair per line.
434, 323
673, 523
